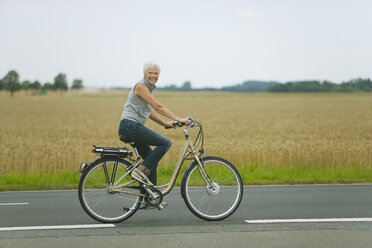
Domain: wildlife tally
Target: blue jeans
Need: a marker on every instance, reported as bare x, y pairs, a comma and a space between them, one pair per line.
143, 138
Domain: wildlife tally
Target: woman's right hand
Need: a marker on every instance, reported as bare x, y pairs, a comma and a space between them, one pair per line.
168, 124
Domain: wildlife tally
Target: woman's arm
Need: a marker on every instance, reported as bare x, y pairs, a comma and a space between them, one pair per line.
142, 91
158, 120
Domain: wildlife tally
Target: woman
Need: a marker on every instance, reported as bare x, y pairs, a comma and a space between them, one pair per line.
139, 107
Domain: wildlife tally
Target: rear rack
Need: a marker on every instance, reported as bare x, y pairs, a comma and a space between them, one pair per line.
112, 151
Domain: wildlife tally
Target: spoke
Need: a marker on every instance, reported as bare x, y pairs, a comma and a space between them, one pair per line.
121, 178
196, 176
202, 200
195, 195
94, 192
124, 196
96, 179
218, 173
95, 201
104, 205
228, 175
211, 204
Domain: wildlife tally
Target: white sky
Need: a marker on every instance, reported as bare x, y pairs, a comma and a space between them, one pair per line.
211, 43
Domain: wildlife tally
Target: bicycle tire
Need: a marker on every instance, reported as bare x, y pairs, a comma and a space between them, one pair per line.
94, 195
204, 201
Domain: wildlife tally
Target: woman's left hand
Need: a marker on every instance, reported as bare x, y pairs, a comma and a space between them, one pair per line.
185, 121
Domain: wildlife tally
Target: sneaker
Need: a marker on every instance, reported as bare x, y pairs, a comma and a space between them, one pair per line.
140, 176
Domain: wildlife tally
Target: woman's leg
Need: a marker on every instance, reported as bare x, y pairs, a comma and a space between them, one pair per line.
144, 137
144, 151
151, 157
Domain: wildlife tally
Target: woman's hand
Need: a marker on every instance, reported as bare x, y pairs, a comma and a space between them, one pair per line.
168, 124
186, 121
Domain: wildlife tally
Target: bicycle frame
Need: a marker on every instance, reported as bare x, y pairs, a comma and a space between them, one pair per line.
188, 147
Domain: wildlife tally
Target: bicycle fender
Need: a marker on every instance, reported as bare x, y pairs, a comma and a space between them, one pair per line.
89, 165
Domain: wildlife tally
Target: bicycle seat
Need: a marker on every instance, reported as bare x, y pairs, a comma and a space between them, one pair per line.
132, 143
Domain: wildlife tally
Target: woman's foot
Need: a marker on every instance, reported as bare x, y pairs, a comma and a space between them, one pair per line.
145, 205
139, 175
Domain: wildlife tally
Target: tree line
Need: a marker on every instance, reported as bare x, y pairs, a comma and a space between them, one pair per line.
354, 85
11, 82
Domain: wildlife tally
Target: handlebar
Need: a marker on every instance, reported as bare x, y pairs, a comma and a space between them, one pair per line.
193, 123
177, 124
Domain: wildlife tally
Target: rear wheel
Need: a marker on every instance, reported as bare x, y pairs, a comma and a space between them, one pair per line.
216, 201
98, 197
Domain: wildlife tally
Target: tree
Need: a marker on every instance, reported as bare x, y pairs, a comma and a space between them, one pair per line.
288, 87
186, 86
26, 86
250, 86
363, 84
48, 86
1, 84
60, 82
327, 86
77, 84
11, 82
306, 86
36, 85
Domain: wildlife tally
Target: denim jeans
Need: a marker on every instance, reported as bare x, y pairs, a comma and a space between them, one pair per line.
143, 138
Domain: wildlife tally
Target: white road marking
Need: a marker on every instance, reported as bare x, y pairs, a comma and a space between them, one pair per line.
14, 204
308, 220
31, 228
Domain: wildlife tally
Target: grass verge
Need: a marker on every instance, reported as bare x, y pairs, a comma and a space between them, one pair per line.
252, 175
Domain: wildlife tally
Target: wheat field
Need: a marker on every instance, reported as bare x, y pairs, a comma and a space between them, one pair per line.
55, 133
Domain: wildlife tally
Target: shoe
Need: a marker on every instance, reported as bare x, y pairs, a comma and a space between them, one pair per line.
140, 176
147, 206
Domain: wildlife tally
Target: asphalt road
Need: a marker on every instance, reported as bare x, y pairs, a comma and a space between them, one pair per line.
315, 216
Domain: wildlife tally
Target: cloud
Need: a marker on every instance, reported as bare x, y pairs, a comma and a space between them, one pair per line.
248, 13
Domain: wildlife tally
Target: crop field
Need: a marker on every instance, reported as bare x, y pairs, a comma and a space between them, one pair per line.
305, 138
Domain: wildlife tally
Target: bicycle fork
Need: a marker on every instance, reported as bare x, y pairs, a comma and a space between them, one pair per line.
201, 170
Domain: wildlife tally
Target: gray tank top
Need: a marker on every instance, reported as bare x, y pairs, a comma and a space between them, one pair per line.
136, 109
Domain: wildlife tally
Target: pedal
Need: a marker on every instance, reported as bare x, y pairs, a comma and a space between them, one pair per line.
161, 208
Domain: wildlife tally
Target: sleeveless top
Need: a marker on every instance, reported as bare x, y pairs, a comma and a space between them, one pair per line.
136, 109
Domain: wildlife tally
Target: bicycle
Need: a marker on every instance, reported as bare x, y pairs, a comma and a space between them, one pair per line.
211, 187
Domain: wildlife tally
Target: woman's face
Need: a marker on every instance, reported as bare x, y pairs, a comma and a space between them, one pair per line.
152, 76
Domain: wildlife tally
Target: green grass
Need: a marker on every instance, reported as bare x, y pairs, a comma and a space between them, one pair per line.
39, 181
251, 175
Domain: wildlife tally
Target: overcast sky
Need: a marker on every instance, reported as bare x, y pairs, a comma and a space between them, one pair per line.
211, 43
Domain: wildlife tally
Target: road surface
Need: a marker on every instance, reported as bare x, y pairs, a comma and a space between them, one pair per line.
269, 216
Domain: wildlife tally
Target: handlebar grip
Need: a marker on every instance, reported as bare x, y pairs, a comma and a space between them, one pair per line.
176, 124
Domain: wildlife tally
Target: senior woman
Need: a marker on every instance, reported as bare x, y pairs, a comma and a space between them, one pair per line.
139, 107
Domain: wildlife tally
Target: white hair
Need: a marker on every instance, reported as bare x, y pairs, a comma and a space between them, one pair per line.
148, 65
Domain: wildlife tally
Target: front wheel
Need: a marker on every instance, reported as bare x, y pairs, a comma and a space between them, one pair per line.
217, 201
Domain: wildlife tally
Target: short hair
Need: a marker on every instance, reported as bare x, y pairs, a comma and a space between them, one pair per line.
148, 65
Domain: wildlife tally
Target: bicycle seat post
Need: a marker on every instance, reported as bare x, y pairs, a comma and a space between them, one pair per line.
132, 143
